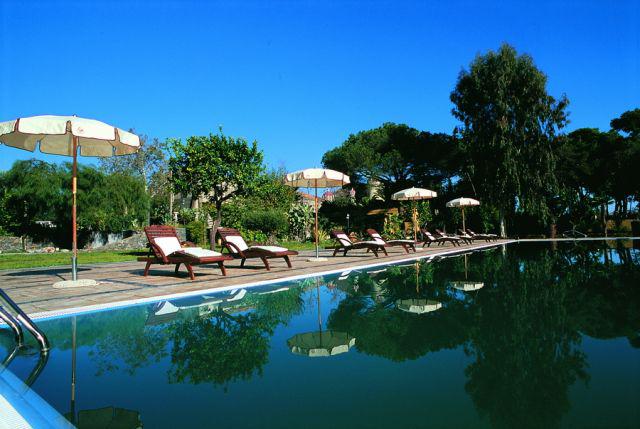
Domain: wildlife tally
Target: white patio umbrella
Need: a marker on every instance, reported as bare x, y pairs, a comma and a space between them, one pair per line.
316, 178
64, 135
414, 194
462, 203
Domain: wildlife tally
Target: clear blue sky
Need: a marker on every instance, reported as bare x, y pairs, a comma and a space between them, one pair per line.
299, 76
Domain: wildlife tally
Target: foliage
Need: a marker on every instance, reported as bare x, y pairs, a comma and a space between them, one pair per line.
217, 167
393, 226
197, 232
509, 124
300, 221
397, 156
269, 221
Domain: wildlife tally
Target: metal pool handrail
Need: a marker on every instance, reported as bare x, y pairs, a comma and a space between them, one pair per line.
22, 317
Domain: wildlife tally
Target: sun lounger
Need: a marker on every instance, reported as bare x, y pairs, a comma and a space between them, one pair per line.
440, 240
232, 241
407, 245
466, 239
345, 244
165, 248
488, 237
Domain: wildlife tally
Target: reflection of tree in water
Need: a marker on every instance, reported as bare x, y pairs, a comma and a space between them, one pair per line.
523, 329
220, 349
525, 347
224, 348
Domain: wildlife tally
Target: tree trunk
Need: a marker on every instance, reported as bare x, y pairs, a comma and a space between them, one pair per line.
216, 225
553, 230
503, 226
604, 218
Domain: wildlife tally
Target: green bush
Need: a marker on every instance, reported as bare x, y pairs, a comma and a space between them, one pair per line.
197, 232
270, 222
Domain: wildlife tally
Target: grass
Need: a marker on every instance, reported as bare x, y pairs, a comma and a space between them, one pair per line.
33, 260
12, 261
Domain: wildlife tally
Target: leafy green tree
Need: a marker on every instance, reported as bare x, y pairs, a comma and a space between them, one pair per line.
509, 124
217, 167
32, 191
396, 155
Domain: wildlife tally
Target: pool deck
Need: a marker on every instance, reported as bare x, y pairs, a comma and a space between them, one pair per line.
122, 283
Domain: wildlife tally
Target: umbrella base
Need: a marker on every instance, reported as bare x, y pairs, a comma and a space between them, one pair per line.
318, 259
74, 283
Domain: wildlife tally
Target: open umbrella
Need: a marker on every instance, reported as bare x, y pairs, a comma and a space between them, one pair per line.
414, 194
462, 203
69, 136
316, 178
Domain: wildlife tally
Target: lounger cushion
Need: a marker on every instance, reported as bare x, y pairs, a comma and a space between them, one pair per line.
344, 239
168, 245
378, 238
199, 252
238, 241
402, 241
270, 248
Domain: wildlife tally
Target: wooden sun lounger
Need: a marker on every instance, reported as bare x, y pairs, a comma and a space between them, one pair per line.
466, 239
345, 244
407, 245
232, 241
488, 237
165, 248
440, 240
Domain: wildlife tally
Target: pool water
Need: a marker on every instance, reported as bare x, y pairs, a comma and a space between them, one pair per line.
529, 335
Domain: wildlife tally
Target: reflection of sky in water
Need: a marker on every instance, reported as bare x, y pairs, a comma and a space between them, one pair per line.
550, 340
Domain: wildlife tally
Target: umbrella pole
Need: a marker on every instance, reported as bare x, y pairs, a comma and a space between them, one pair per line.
74, 188
415, 224
464, 227
316, 226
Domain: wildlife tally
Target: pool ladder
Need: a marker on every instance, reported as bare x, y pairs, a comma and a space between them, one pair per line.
21, 319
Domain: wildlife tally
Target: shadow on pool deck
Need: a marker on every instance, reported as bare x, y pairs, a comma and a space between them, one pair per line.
123, 281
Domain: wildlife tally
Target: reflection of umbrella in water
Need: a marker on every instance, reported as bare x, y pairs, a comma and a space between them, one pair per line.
418, 305
466, 285
320, 343
109, 417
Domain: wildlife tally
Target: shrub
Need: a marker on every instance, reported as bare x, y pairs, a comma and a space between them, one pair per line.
197, 232
270, 222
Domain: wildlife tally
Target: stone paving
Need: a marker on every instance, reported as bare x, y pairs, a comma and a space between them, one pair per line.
32, 289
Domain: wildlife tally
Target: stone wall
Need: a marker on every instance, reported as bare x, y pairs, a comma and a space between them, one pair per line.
9, 244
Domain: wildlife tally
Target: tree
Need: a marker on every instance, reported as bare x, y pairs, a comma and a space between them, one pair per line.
509, 124
396, 155
150, 164
32, 192
217, 167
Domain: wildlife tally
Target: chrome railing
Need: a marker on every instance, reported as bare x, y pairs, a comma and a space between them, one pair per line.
19, 319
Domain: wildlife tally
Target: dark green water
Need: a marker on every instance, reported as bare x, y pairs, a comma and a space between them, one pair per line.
549, 338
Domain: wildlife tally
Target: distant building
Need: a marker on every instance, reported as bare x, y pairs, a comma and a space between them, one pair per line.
309, 199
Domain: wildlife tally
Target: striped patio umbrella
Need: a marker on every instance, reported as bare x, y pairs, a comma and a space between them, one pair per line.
463, 202
316, 178
69, 136
414, 194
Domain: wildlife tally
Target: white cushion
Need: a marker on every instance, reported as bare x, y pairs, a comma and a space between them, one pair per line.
404, 241
199, 252
270, 248
371, 242
344, 240
378, 239
168, 245
238, 241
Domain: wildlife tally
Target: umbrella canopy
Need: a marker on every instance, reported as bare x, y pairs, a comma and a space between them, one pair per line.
414, 194
321, 344
316, 178
418, 305
467, 286
68, 135
463, 202
55, 135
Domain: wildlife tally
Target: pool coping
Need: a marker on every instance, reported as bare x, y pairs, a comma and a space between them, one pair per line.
54, 314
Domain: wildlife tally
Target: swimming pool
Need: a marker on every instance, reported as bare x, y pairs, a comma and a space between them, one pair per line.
525, 335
